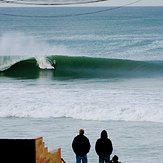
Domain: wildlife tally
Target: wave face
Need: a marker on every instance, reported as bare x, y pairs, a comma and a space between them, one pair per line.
78, 67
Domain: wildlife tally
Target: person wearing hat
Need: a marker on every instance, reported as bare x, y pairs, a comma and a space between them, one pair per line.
104, 148
81, 147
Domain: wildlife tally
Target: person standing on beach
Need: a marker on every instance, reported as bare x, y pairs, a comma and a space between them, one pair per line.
104, 148
81, 147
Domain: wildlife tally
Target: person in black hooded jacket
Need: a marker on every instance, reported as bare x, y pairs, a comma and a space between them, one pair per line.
81, 147
104, 148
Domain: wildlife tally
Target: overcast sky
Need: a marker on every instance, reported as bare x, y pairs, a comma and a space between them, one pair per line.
109, 3
142, 3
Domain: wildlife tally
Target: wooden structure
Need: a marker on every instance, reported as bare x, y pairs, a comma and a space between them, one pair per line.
27, 151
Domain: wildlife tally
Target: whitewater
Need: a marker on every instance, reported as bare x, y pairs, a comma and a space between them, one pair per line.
102, 71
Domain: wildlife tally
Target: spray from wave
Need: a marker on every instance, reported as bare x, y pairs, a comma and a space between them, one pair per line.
20, 44
24, 56
16, 47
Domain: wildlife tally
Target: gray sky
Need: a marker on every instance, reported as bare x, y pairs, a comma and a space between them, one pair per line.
108, 3
142, 3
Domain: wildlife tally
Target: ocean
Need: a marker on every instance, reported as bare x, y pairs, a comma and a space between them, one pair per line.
66, 68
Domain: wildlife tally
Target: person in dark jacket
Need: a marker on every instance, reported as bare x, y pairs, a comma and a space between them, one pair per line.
104, 148
81, 147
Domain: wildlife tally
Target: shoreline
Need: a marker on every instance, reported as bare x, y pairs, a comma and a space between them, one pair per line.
129, 138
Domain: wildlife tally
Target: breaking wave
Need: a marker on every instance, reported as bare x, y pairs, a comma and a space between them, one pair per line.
78, 67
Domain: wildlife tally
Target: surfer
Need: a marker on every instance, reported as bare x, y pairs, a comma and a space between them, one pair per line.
54, 64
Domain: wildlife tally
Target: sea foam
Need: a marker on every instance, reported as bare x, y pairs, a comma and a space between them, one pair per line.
42, 99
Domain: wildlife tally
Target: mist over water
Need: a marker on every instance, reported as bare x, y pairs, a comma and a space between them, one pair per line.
20, 44
17, 46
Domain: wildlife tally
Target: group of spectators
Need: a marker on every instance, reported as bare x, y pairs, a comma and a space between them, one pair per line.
103, 148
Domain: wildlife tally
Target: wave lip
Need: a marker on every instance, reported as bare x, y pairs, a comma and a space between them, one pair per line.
8, 61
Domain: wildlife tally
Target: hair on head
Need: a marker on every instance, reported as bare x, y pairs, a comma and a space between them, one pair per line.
81, 131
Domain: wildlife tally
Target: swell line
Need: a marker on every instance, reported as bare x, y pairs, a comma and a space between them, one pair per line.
84, 67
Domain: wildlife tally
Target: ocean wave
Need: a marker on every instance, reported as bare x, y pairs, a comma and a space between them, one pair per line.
119, 113
79, 67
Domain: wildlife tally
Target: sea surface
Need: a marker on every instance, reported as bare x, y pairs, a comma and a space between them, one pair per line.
62, 69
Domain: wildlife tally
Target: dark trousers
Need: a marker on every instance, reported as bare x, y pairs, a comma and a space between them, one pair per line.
81, 158
104, 159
